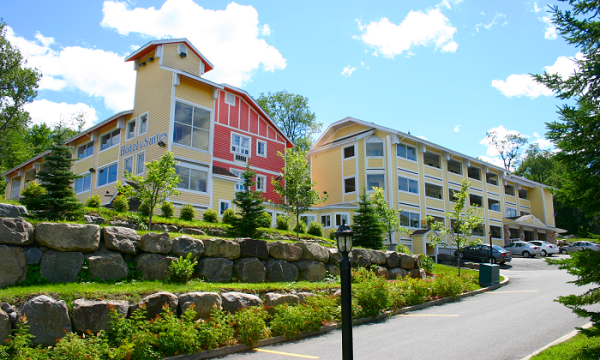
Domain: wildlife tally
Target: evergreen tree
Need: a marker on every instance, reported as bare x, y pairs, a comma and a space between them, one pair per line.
250, 205
368, 229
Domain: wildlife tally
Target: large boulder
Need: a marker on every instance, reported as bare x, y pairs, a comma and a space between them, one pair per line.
250, 270
164, 228
33, 255
313, 251
154, 304
48, 320
15, 231
108, 266
274, 299
333, 270
68, 237
122, 239
13, 265
184, 245
13, 211
153, 266
418, 274
417, 261
5, 326
234, 301
397, 273
219, 248
284, 251
94, 315
335, 256
203, 302
281, 271
253, 248
360, 257
381, 271
90, 219
215, 269
61, 267
156, 243
407, 262
311, 270
192, 231
377, 257
392, 259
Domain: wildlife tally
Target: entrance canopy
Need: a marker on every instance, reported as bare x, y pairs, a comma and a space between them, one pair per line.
530, 222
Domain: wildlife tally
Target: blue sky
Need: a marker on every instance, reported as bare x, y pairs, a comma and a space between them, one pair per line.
445, 70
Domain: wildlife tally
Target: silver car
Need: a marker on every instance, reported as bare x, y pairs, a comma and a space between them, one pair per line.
523, 248
547, 248
579, 245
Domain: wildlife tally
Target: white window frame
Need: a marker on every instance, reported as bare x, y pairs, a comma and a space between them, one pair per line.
111, 146
258, 142
497, 202
80, 146
227, 102
221, 201
330, 220
210, 126
132, 164
506, 210
378, 141
370, 189
239, 184
344, 152
249, 145
441, 191
137, 162
406, 147
344, 189
135, 129
264, 183
309, 218
335, 223
411, 212
106, 166
408, 183
85, 174
501, 231
439, 167
139, 124
198, 168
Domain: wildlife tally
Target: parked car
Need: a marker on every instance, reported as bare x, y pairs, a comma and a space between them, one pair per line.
523, 248
547, 248
579, 245
481, 252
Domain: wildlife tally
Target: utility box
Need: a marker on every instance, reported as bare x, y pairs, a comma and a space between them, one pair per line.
489, 274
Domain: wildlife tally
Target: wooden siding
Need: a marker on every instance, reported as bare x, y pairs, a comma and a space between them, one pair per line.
374, 163
194, 92
326, 172
171, 58
349, 167
349, 130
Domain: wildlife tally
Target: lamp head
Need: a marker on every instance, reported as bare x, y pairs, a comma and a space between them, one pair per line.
344, 237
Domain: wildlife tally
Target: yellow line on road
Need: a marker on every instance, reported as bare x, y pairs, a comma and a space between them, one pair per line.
428, 315
287, 354
510, 292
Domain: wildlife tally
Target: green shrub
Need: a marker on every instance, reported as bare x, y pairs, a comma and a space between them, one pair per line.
401, 248
176, 335
283, 222
211, 216
188, 212
73, 346
94, 201
264, 220
181, 270
370, 292
427, 263
121, 203
138, 220
229, 216
316, 311
300, 227
144, 209
217, 330
315, 228
251, 325
168, 209
31, 193
332, 234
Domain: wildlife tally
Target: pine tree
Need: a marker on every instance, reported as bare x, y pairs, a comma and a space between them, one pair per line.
366, 224
250, 206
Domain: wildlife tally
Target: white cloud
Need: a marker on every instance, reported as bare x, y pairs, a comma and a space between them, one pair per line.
228, 38
364, 66
266, 30
495, 20
44, 111
448, 3
429, 28
536, 8
494, 161
348, 70
456, 128
545, 144
550, 31
502, 132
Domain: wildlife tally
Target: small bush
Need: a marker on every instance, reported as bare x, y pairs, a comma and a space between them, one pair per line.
283, 222
264, 220
401, 248
217, 330
121, 203
427, 263
289, 321
300, 227
332, 234
181, 270
371, 292
315, 228
144, 209
94, 201
188, 212
138, 220
229, 216
176, 335
31, 193
168, 209
211, 216
251, 326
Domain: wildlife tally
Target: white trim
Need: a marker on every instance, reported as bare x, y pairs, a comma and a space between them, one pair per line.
137, 159
251, 134
406, 158
84, 174
210, 127
221, 201
191, 166
104, 134
132, 164
197, 206
408, 183
344, 149
265, 148
80, 146
374, 172
139, 127
106, 166
344, 184
248, 155
229, 162
264, 178
330, 220
227, 102
135, 129
334, 219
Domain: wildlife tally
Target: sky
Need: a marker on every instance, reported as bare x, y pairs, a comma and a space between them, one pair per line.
445, 70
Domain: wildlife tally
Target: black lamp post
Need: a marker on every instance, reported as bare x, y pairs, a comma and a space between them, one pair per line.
344, 243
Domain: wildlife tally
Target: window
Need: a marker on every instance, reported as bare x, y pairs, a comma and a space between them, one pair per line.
15, 188
307, 219
111, 139
375, 180
410, 219
509, 190
130, 130
261, 183
475, 200
140, 163
326, 220
349, 152
107, 175
493, 205
491, 178
191, 126
436, 219
128, 164
239, 186
143, 124
374, 148
407, 152
455, 167
409, 185
29, 176
83, 184
223, 205
479, 231
240, 146
523, 194
85, 150
261, 148
433, 191
229, 99
510, 212
339, 218
474, 173
452, 194
523, 213
192, 178
349, 185
432, 159
496, 232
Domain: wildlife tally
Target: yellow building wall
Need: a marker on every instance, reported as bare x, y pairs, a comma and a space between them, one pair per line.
454, 178
408, 165
327, 173
434, 203
191, 154
433, 171
108, 156
408, 198
171, 58
192, 198
549, 208
84, 165
360, 148
374, 163
418, 244
349, 167
194, 92
536, 199
222, 190
349, 130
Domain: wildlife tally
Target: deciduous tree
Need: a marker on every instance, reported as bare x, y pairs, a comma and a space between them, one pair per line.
509, 147
389, 217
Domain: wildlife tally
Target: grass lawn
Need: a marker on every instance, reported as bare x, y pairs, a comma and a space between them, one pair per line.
579, 347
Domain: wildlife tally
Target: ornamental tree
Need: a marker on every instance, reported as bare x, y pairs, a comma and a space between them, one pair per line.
366, 224
389, 217
250, 205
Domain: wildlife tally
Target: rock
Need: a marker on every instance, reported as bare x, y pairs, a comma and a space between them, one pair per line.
156, 243
284, 251
108, 266
7, 308
13, 265
33, 256
392, 259
281, 271
417, 259
220, 248
311, 270
360, 257
154, 304
48, 320
274, 299
125, 224
203, 302
418, 274
234, 301
164, 228
122, 239
407, 262
5, 326
94, 315
253, 248
334, 256
312, 251
15, 231
13, 211
302, 296
68, 237
90, 219
193, 231
153, 266
377, 257
215, 269
250, 270
382, 272
333, 270
61, 267
397, 273
184, 245
215, 231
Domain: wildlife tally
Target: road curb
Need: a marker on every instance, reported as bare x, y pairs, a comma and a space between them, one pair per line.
232, 349
558, 341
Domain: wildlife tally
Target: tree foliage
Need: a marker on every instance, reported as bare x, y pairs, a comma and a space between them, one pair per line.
366, 224
389, 217
250, 205
509, 147
538, 165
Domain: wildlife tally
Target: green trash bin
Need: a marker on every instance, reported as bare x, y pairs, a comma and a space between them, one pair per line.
489, 274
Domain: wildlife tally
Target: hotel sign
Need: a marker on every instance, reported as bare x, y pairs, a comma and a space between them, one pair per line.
143, 143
